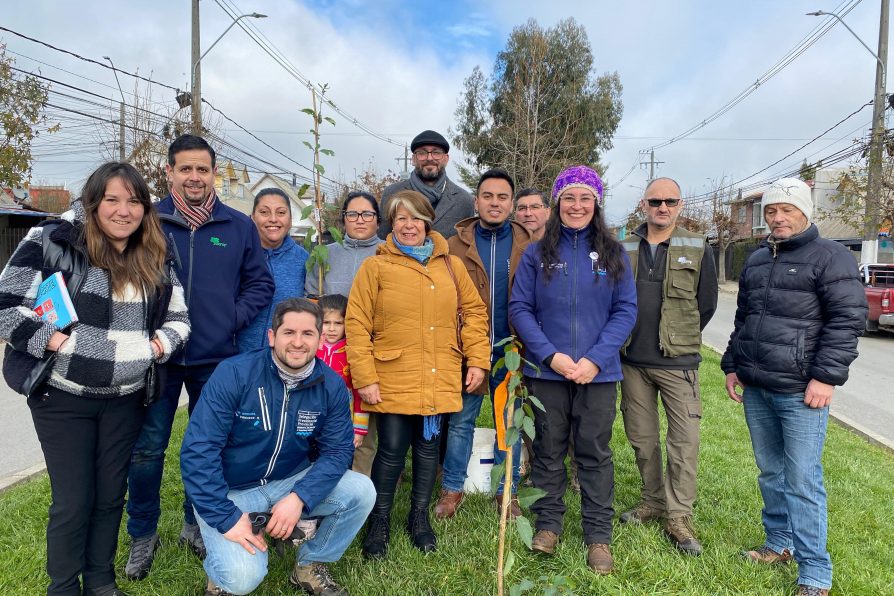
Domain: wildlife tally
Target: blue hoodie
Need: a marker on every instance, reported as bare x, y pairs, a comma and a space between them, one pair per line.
286, 265
579, 311
225, 280
246, 431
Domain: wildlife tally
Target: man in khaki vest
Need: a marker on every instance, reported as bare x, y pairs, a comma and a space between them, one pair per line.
676, 287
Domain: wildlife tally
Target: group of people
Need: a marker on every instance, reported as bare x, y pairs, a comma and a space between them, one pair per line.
302, 411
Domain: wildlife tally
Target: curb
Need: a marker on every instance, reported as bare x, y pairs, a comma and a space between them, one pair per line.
28, 473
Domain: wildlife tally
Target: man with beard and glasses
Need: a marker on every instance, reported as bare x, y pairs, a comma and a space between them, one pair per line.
451, 203
273, 434
219, 259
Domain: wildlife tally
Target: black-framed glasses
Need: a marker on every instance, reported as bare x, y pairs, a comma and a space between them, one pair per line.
531, 208
668, 202
352, 216
436, 153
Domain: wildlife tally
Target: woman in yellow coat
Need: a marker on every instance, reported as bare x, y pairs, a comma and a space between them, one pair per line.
406, 359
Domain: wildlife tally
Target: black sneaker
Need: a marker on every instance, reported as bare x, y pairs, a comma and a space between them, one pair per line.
107, 590
419, 529
142, 553
191, 536
314, 578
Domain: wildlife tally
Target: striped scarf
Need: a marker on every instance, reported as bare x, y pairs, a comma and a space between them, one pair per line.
195, 215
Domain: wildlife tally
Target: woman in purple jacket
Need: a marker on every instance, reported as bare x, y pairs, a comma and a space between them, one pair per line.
573, 305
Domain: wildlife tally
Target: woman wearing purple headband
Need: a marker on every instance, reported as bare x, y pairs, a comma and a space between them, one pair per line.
573, 305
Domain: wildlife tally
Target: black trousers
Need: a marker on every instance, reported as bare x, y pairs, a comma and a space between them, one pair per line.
397, 432
86, 443
586, 413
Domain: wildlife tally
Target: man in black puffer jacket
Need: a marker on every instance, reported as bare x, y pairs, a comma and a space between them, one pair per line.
800, 311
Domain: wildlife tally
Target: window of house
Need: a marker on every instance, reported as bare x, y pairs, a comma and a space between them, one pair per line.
757, 219
740, 214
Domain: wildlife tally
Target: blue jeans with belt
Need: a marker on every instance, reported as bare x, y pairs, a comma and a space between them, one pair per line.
787, 436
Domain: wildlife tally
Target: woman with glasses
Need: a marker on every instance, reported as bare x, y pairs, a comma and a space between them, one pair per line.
573, 305
272, 215
360, 218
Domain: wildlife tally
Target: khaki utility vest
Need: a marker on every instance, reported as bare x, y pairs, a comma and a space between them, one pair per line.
679, 332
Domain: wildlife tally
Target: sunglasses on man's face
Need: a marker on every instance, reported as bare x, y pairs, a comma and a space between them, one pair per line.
668, 202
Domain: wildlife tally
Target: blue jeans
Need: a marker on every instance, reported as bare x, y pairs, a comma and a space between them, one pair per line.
343, 511
148, 458
787, 437
459, 444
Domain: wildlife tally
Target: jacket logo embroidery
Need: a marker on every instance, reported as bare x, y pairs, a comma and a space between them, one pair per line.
792, 271
305, 422
684, 261
215, 241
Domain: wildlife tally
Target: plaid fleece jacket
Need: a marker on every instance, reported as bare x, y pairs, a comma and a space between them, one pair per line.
108, 351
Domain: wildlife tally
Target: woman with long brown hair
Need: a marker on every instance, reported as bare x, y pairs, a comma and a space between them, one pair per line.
87, 383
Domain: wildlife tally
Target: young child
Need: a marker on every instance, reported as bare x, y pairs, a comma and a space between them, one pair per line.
332, 352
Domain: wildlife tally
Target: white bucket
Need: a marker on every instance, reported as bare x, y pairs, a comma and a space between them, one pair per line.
481, 462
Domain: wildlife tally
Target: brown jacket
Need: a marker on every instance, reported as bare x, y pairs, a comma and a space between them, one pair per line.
463, 246
401, 330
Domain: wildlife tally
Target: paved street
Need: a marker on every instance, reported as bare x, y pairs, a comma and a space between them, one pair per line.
866, 402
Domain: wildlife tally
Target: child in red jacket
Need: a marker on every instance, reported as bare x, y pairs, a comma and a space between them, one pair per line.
332, 352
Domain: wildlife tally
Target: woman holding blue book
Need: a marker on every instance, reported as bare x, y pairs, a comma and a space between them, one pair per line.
87, 383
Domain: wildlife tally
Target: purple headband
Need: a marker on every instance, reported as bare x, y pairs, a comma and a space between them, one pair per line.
581, 177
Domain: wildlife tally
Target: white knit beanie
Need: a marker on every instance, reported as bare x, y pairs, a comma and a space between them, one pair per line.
793, 191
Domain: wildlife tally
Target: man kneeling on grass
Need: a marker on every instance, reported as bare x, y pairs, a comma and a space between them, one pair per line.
248, 449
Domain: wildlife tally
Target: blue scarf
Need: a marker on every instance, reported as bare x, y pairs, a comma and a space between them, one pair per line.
431, 425
420, 253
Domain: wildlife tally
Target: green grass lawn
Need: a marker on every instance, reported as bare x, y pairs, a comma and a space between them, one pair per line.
861, 525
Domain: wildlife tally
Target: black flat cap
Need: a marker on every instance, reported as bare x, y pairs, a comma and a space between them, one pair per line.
430, 137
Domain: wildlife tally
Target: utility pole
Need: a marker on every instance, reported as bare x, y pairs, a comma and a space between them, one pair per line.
869, 253
405, 159
196, 72
651, 163
121, 156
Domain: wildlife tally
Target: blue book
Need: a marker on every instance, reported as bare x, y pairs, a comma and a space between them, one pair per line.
53, 303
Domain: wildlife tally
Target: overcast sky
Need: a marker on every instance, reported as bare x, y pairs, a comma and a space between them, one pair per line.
398, 67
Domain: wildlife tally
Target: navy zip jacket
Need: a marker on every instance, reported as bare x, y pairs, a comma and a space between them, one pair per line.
224, 275
245, 432
580, 311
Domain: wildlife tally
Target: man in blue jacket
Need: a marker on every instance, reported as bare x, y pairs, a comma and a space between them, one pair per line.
248, 448
221, 265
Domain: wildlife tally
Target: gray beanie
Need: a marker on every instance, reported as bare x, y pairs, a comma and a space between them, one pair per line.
793, 191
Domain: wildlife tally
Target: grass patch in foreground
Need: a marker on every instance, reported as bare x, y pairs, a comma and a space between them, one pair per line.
861, 522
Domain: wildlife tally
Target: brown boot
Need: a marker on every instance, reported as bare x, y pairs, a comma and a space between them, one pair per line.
448, 503
767, 556
514, 507
545, 541
682, 533
599, 559
805, 590
641, 514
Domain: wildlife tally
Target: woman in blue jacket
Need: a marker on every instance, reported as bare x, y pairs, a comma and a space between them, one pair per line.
573, 305
272, 215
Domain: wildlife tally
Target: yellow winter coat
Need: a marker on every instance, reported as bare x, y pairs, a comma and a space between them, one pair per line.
401, 330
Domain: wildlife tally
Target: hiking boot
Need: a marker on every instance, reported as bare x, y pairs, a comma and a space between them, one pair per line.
191, 536
514, 507
545, 541
378, 533
641, 514
599, 559
805, 590
106, 590
142, 553
212, 589
448, 503
419, 528
682, 533
767, 556
314, 578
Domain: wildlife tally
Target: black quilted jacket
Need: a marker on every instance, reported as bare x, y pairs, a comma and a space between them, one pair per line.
801, 308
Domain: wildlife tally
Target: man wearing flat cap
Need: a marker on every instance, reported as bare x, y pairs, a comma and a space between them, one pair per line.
450, 202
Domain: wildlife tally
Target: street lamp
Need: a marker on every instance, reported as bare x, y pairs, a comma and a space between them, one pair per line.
120, 110
196, 73
869, 250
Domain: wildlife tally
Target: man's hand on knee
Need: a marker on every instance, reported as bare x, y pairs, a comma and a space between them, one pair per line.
243, 535
285, 514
